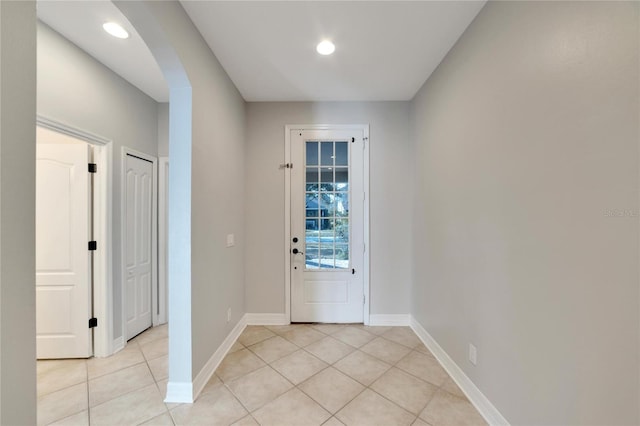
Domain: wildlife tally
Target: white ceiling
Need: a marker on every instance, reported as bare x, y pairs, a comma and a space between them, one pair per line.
81, 22
385, 50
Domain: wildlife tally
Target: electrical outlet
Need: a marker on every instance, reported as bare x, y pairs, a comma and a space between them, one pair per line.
228, 314
473, 354
231, 241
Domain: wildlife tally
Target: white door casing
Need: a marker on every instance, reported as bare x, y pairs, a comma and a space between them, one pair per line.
139, 251
327, 226
163, 232
63, 292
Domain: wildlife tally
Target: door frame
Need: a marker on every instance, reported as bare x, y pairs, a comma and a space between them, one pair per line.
103, 224
287, 208
163, 246
155, 313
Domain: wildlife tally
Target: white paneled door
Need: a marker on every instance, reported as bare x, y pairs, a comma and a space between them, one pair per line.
327, 226
63, 291
138, 230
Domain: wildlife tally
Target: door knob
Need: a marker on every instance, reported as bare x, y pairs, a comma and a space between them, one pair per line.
296, 251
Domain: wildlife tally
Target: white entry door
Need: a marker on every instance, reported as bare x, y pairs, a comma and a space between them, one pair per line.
138, 243
327, 226
63, 291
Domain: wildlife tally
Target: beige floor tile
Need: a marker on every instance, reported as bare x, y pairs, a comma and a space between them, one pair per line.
61, 404
155, 349
163, 419
423, 367
420, 422
254, 334
407, 391
236, 347
280, 329
131, 408
447, 409
246, 421
238, 364
54, 375
328, 328
78, 419
403, 335
303, 336
422, 348
374, 329
154, 333
162, 387
294, 408
159, 367
329, 349
354, 336
362, 367
273, 348
386, 350
333, 422
218, 407
331, 389
259, 387
127, 357
370, 409
451, 387
110, 386
299, 366
212, 383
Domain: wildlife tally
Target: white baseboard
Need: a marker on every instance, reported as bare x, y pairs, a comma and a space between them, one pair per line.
210, 367
179, 392
477, 398
390, 319
266, 319
118, 344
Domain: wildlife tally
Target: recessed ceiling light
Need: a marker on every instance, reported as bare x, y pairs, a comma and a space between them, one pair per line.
325, 47
115, 30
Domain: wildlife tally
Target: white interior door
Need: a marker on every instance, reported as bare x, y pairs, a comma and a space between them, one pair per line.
327, 226
138, 243
63, 291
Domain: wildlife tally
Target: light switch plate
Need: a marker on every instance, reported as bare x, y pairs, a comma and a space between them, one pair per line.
231, 240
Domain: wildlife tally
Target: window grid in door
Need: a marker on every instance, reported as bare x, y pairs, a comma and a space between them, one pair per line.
327, 205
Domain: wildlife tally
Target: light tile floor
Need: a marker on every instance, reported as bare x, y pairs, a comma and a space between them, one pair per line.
324, 374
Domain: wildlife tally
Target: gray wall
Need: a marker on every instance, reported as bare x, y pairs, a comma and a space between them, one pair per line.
75, 89
217, 177
17, 213
390, 198
526, 223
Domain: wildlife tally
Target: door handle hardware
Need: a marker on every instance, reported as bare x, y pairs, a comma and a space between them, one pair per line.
296, 251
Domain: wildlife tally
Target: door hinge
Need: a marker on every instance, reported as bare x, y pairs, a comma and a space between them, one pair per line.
286, 166
93, 322
93, 245
364, 299
364, 248
353, 271
93, 168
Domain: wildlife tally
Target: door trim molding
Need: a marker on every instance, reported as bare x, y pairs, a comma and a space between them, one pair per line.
163, 247
103, 344
154, 234
287, 209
